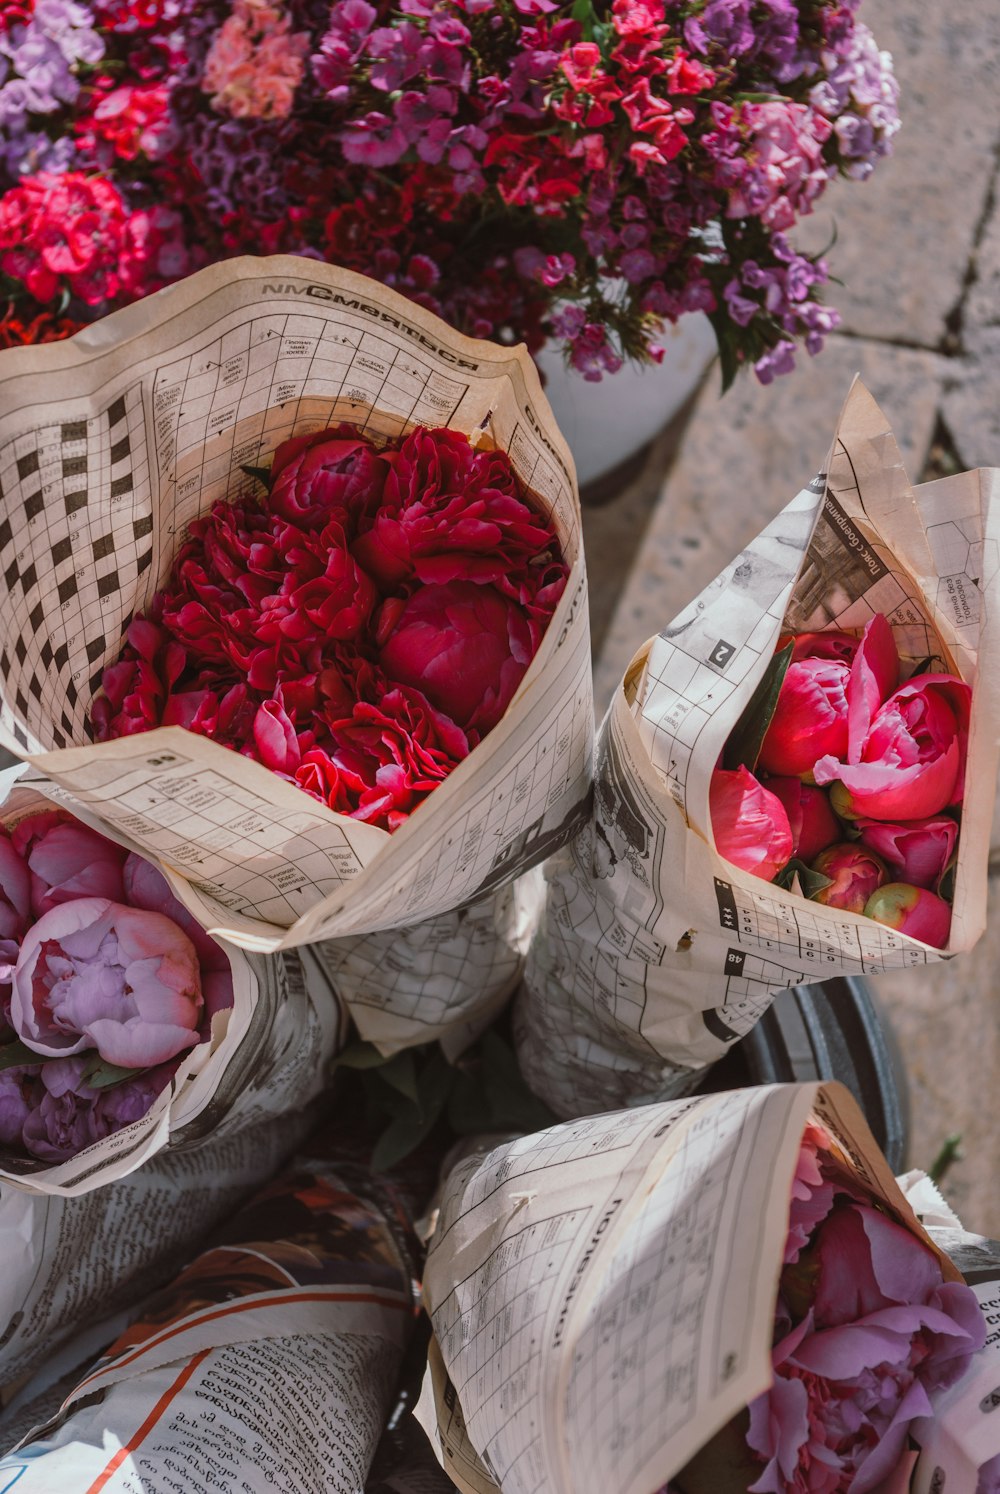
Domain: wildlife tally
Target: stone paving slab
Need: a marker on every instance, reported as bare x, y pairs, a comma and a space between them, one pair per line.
742, 459
904, 238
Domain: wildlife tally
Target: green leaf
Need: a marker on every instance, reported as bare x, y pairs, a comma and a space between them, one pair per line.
400, 1073
747, 736
810, 881
946, 882
17, 1055
360, 1056
415, 1121
101, 1075
262, 474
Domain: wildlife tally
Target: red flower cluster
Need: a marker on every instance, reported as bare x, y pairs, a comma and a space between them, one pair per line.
361, 632
63, 231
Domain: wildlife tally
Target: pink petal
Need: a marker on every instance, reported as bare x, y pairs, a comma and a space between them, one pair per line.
874, 676
139, 1045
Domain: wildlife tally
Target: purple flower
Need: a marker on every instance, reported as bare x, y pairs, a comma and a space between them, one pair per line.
146, 887
724, 24
67, 1114
15, 1104
779, 360
375, 140
866, 1326
15, 891
96, 974
67, 860
989, 1477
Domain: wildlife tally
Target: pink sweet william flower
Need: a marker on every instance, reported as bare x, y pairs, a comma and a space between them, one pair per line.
917, 851
465, 647
855, 874
912, 910
749, 824
865, 1328
909, 763
813, 823
96, 974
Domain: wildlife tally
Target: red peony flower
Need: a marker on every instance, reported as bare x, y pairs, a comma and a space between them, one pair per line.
465, 647
327, 475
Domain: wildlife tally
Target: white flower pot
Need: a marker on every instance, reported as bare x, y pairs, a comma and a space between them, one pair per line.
608, 422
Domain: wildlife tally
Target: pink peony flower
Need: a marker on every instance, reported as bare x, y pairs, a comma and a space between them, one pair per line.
865, 1327
813, 823
810, 719
147, 887
917, 851
465, 647
856, 873
96, 974
67, 1114
15, 890
831, 645
910, 761
67, 860
749, 824
912, 910
16, 1087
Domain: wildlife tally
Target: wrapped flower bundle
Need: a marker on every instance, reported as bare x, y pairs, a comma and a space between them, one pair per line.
360, 630
849, 781
577, 171
107, 983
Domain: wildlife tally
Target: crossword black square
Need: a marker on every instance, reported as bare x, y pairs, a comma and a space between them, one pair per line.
46, 653
107, 584
58, 737
145, 561
95, 649
75, 501
74, 430
27, 464
62, 550
35, 687
722, 653
104, 546
21, 649
10, 575
95, 681
34, 504
120, 450
28, 578
20, 702
62, 656
37, 616
5, 534
5, 662
117, 411
67, 589
71, 694
142, 527
19, 736
121, 485
67, 725
74, 466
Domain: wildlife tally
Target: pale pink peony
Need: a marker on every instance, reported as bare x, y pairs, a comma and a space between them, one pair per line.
96, 974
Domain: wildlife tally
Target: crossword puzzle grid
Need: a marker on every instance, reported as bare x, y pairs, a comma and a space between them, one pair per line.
493, 1348
820, 946
75, 538
634, 1377
238, 848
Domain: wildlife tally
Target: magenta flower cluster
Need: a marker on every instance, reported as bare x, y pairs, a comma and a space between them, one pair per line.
528, 169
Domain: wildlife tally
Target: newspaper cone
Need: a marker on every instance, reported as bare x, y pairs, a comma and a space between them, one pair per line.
268, 1364
653, 953
267, 1054
602, 1293
110, 444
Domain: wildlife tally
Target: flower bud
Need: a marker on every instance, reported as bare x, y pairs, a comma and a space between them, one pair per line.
749, 824
913, 911
810, 716
856, 873
917, 851
813, 823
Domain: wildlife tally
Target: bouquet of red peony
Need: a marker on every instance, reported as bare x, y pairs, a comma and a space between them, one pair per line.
119, 1014
358, 631
859, 780
583, 172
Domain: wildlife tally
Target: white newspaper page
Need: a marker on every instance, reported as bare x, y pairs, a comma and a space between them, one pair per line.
112, 442
602, 1293
653, 953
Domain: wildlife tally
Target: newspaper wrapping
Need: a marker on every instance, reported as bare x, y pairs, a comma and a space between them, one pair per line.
963, 1436
268, 1054
603, 1293
110, 444
269, 1363
653, 953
